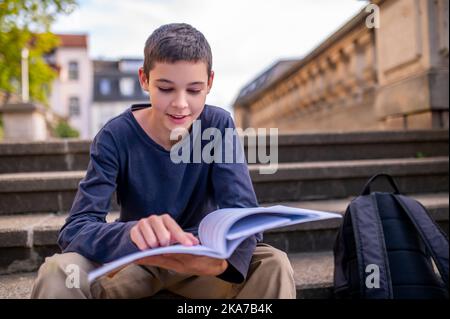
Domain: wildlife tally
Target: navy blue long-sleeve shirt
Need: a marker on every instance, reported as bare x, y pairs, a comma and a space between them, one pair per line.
124, 158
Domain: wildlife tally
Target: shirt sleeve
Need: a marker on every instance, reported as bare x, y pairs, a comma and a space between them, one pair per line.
233, 188
86, 231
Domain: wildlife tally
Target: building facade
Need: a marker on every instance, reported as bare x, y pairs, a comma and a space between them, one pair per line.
371, 74
90, 92
115, 87
71, 93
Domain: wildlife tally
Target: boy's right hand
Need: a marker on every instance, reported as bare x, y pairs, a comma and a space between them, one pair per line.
160, 231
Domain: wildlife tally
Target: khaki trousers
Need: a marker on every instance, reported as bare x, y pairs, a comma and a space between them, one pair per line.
270, 275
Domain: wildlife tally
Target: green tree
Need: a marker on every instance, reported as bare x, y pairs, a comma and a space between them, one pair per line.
26, 23
63, 130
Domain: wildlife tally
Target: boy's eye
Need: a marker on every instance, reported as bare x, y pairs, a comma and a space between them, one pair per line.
164, 89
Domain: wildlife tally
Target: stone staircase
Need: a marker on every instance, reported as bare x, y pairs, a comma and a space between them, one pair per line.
38, 182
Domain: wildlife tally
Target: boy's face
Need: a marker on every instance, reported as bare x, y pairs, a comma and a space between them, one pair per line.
178, 92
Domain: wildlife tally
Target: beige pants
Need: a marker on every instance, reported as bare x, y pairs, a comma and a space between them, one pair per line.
270, 275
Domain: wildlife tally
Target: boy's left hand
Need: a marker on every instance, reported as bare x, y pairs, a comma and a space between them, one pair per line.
187, 264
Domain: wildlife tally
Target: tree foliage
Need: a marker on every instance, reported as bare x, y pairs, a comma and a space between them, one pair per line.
64, 130
26, 23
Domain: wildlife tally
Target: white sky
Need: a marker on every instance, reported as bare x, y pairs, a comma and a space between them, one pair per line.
246, 36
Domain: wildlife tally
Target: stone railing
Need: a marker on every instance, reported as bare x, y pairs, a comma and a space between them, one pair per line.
28, 122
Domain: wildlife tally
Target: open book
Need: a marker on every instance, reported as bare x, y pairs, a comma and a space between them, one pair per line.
220, 232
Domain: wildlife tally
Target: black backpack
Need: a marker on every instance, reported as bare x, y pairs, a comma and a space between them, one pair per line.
385, 247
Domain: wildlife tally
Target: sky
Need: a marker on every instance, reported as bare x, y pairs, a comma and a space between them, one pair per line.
246, 36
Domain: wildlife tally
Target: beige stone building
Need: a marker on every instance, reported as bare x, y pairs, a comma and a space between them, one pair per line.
386, 68
71, 93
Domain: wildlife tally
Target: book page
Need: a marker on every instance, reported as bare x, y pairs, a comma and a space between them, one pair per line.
174, 249
224, 229
256, 223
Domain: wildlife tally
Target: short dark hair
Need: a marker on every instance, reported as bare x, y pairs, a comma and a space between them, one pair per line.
176, 42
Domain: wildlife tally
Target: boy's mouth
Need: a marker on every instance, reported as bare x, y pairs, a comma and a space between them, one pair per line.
178, 119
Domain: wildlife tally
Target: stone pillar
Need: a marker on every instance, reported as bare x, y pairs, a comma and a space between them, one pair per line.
239, 116
24, 122
412, 64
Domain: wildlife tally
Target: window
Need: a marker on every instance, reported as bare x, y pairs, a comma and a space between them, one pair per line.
74, 106
73, 70
105, 87
130, 66
127, 86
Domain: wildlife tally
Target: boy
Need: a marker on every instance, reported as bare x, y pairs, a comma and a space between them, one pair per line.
161, 200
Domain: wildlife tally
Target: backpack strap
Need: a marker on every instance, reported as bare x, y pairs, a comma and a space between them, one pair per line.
435, 241
370, 246
366, 189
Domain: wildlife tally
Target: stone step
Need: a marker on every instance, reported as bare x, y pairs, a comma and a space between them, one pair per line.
340, 179
313, 278
73, 154
337, 146
321, 235
25, 240
16, 286
55, 191
54, 155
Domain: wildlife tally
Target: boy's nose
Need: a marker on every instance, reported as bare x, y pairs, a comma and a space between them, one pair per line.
180, 101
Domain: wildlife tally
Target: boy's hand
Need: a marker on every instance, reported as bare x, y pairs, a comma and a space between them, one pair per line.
159, 231
187, 264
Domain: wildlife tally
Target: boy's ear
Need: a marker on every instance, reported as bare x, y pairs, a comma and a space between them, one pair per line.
143, 79
210, 80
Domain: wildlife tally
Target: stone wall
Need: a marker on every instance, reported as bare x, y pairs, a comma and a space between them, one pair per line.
360, 78
412, 51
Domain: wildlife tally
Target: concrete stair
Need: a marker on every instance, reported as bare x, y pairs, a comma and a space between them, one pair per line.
26, 239
338, 179
55, 155
54, 191
313, 278
73, 154
314, 147
38, 182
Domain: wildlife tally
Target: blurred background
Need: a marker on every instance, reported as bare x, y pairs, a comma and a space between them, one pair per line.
300, 65
355, 88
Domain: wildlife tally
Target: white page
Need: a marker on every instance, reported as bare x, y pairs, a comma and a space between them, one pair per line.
214, 229
222, 231
253, 224
174, 249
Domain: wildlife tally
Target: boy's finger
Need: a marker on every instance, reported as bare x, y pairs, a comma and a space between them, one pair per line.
138, 239
149, 235
160, 230
177, 232
194, 239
